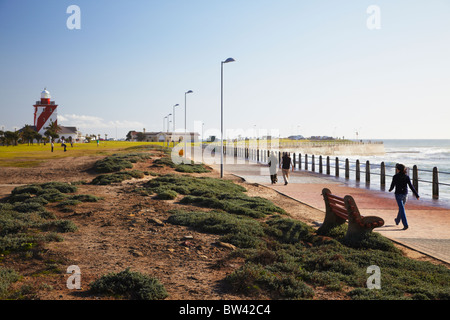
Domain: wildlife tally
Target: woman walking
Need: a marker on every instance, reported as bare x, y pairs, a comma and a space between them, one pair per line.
286, 164
401, 182
273, 167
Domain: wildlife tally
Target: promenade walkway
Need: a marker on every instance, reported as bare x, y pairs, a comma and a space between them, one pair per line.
429, 222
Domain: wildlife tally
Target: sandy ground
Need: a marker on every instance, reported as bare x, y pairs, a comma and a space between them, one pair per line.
120, 232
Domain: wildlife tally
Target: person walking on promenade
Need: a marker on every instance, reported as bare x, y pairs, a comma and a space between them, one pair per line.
273, 167
286, 163
401, 182
53, 145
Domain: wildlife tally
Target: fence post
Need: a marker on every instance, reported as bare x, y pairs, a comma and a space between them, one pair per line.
382, 174
336, 168
328, 164
279, 158
435, 183
347, 169
293, 160
320, 165
306, 162
367, 171
299, 161
313, 164
416, 178
358, 171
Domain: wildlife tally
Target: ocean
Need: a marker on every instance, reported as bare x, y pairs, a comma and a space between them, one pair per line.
425, 154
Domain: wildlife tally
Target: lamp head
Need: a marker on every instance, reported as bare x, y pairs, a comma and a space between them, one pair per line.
229, 60
190, 91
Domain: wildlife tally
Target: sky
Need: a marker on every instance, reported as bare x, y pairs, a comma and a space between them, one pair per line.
350, 69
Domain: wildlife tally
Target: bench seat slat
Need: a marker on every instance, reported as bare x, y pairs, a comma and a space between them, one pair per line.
341, 212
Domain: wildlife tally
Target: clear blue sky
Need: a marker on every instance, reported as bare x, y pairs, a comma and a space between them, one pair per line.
302, 67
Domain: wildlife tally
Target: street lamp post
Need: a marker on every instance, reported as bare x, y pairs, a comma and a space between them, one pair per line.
174, 116
221, 113
185, 113
168, 116
168, 126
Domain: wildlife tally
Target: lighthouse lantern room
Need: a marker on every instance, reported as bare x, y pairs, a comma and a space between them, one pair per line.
44, 112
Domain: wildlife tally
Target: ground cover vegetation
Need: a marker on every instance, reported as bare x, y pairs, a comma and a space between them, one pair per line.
285, 258
26, 223
129, 285
181, 166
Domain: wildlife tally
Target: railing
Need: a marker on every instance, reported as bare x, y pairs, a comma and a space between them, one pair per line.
362, 171
367, 169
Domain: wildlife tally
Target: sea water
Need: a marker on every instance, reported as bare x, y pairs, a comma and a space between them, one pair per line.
425, 154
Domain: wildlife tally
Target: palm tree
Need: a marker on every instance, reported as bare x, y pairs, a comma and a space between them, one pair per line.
27, 134
38, 137
11, 136
52, 130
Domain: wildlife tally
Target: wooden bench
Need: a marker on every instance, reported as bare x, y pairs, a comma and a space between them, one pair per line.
339, 210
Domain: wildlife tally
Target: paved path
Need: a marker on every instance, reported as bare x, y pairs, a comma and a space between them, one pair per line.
429, 221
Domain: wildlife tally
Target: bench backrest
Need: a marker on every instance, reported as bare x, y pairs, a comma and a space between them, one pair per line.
335, 204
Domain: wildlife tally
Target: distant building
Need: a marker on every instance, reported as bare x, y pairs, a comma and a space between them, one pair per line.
161, 136
297, 137
69, 133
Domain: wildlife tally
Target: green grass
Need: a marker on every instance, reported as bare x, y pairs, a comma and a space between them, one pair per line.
24, 155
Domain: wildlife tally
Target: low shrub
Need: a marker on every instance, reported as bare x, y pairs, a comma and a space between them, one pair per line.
240, 231
254, 279
118, 162
117, 177
166, 195
85, 198
240, 204
7, 277
30, 189
22, 223
131, 285
62, 187
51, 195
181, 167
61, 226
213, 193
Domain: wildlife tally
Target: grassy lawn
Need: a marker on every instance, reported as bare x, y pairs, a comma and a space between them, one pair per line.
25, 156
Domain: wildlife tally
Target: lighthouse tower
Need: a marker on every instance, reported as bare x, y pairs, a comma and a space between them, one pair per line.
44, 112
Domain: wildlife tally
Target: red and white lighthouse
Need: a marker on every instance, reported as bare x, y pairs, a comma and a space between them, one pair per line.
44, 112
